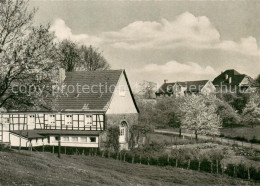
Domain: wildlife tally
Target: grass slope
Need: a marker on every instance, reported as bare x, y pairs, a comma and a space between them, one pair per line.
46, 169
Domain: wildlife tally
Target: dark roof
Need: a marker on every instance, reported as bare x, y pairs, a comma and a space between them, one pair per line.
196, 86
163, 88
32, 134
94, 92
192, 86
236, 78
92, 97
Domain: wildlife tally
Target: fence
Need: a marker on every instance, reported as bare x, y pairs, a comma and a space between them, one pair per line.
204, 165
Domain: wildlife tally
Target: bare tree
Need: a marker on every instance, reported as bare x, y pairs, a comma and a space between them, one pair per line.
68, 55
26, 57
73, 57
91, 59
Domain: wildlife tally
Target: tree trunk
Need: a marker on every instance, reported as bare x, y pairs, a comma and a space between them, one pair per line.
248, 174
124, 157
199, 166
188, 165
211, 167
217, 166
196, 135
176, 163
133, 159
180, 132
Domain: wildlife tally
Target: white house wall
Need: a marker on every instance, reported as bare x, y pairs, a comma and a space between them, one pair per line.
122, 102
79, 143
208, 88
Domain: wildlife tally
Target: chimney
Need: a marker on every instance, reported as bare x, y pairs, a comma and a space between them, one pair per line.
165, 81
226, 76
230, 80
62, 75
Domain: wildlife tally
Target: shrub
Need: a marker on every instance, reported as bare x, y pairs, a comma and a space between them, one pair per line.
205, 165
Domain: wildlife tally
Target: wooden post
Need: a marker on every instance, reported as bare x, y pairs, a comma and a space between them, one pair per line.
59, 148
20, 140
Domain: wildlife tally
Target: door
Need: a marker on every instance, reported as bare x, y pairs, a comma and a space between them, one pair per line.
123, 131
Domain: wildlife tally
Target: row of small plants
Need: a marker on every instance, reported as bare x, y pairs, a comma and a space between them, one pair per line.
175, 159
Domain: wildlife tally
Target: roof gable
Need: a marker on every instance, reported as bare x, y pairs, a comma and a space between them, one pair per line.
236, 78
193, 86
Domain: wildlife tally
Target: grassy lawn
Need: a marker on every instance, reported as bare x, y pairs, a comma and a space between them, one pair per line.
37, 168
247, 132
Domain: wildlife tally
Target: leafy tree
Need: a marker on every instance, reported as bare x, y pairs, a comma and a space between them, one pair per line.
258, 80
238, 101
199, 114
27, 55
251, 112
113, 138
147, 89
227, 113
168, 112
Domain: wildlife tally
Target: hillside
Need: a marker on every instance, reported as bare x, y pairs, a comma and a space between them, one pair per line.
46, 169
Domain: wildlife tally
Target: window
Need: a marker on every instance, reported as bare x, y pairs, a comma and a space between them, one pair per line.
92, 139
74, 139
122, 132
65, 138
84, 139
88, 120
31, 119
6, 120
121, 91
68, 119
52, 119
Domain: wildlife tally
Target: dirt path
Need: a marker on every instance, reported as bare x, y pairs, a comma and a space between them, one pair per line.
216, 139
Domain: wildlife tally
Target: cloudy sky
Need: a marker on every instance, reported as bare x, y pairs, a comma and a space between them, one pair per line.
174, 40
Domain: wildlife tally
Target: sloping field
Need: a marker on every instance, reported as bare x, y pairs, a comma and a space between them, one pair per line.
37, 168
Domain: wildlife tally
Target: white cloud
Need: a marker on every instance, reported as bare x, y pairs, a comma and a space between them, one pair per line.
174, 67
186, 30
62, 31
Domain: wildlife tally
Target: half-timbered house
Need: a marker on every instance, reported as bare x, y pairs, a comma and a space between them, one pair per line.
91, 103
